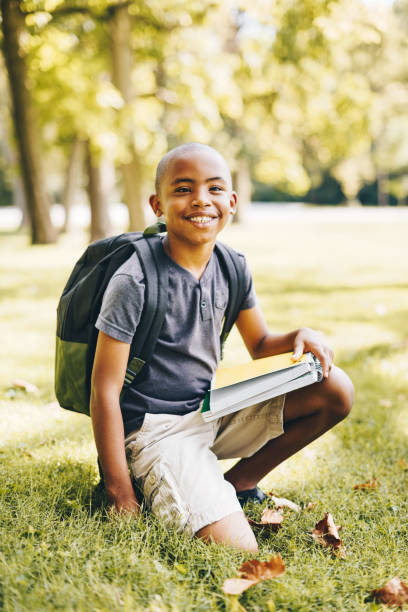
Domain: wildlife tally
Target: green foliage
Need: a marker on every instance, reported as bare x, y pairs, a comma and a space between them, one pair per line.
368, 195
328, 191
298, 90
58, 549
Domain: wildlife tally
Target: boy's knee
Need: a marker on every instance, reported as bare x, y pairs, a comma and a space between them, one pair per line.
340, 395
233, 530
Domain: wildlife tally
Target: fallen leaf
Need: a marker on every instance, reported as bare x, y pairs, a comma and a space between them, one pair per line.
394, 593
263, 570
403, 464
310, 506
281, 502
252, 572
19, 383
327, 534
370, 484
270, 516
236, 586
270, 519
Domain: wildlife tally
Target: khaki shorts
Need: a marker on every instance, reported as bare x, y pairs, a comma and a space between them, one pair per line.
174, 460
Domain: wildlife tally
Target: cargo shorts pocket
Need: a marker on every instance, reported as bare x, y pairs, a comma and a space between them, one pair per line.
161, 492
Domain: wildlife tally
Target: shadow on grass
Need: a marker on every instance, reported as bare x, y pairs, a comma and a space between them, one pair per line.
65, 486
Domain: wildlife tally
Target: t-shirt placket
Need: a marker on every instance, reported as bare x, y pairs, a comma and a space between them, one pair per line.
205, 303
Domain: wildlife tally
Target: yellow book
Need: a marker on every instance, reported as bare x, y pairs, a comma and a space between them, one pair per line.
254, 368
238, 387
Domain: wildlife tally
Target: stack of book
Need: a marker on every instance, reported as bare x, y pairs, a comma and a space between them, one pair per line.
241, 386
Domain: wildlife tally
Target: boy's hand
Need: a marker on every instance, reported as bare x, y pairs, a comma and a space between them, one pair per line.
310, 340
126, 505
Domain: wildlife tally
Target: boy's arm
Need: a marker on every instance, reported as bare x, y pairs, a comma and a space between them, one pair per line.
108, 373
260, 342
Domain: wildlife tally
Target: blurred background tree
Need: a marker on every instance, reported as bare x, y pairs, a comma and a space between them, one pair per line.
307, 100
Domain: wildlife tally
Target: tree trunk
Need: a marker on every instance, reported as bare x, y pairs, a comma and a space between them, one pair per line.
134, 192
100, 222
42, 230
71, 182
132, 172
241, 179
16, 182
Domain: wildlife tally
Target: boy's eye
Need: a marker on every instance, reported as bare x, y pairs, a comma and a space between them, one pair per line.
216, 188
182, 189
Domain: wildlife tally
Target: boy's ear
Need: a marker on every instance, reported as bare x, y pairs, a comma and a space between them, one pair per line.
233, 202
155, 204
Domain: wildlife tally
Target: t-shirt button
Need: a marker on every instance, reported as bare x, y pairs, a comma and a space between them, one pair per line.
203, 304
152, 479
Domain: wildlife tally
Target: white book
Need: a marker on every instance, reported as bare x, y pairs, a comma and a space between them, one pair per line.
241, 386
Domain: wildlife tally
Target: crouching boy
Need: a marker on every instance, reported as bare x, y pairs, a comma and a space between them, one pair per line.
157, 429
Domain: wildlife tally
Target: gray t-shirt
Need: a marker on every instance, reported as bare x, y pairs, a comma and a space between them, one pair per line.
188, 347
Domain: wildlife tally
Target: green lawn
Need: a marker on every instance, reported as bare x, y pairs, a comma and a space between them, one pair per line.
57, 553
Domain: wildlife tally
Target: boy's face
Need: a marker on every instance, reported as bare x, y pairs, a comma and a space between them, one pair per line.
195, 197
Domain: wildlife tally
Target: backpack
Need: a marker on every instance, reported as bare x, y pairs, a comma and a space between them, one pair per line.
81, 300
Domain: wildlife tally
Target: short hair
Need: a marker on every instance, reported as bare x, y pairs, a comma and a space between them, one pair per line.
183, 149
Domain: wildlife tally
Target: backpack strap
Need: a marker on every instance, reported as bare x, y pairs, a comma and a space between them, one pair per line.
152, 260
233, 267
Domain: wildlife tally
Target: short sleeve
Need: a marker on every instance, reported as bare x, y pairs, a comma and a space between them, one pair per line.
122, 306
249, 300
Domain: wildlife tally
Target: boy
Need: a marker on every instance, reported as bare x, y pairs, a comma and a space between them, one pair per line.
172, 452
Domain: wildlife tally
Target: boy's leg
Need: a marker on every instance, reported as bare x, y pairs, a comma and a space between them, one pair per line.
182, 481
232, 530
308, 413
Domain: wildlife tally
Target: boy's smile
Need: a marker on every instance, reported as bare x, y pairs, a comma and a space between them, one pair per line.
195, 197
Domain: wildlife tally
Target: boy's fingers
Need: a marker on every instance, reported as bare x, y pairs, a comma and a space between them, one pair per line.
326, 361
131, 507
297, 350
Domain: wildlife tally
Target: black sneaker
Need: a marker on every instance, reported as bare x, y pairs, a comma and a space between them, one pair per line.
255, 495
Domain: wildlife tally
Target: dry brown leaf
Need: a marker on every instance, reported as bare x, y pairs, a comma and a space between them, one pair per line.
236, 586
310, 506
263, 570
370, 484
327, 534
252, 572
403, 464
281, 502
269, 519
19, 383
270, 516
394, 593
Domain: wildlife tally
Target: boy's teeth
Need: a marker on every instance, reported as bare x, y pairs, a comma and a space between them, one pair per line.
200, 219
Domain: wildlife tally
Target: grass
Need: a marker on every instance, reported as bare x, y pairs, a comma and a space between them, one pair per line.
57, 552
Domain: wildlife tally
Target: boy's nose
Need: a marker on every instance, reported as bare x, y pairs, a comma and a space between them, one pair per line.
200, 202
